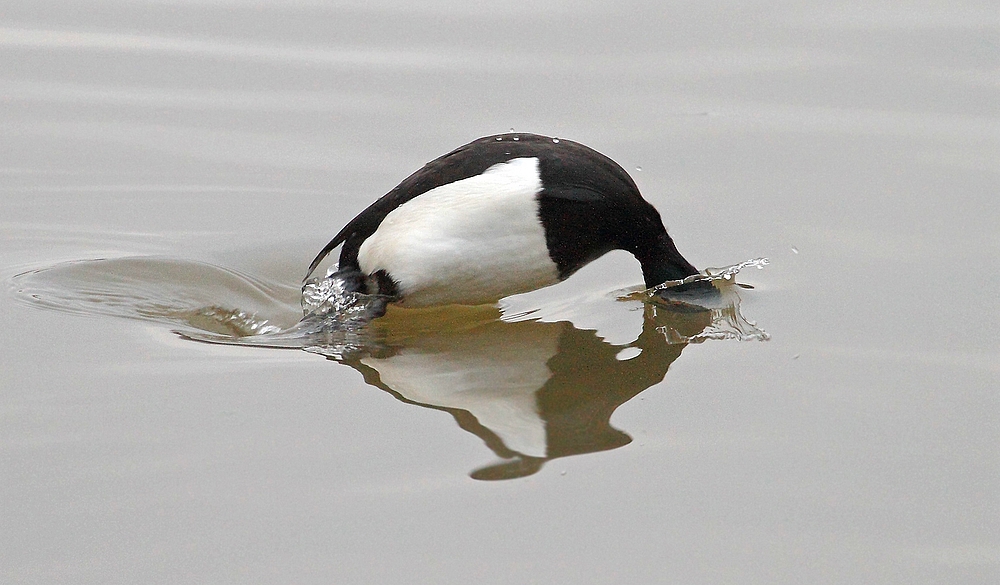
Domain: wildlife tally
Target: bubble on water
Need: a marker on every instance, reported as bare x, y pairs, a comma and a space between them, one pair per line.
516, 138
795, 250
511, 130
499, 138
639, 169
555, 140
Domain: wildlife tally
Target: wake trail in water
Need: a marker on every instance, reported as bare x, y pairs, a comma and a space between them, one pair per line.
194, 295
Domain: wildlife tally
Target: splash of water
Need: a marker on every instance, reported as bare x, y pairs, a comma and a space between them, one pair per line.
335, 322
725, 274
328, 298
727, 321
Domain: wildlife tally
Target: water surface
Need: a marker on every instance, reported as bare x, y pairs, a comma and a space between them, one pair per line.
215, 147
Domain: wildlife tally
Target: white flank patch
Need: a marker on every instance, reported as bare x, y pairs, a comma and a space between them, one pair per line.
469, 242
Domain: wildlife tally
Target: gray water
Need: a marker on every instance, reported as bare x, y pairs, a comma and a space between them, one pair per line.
208, 150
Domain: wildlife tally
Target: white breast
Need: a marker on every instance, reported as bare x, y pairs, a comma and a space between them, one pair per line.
472, 241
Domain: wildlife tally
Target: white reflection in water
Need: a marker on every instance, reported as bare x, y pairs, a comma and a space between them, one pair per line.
534, 384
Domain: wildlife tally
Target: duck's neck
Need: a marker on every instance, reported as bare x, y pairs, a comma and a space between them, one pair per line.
661, 261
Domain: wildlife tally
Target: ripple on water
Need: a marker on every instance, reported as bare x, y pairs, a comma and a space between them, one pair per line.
194, 296
208, 303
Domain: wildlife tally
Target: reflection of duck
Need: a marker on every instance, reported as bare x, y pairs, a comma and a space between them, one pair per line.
499, 216
532, 391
